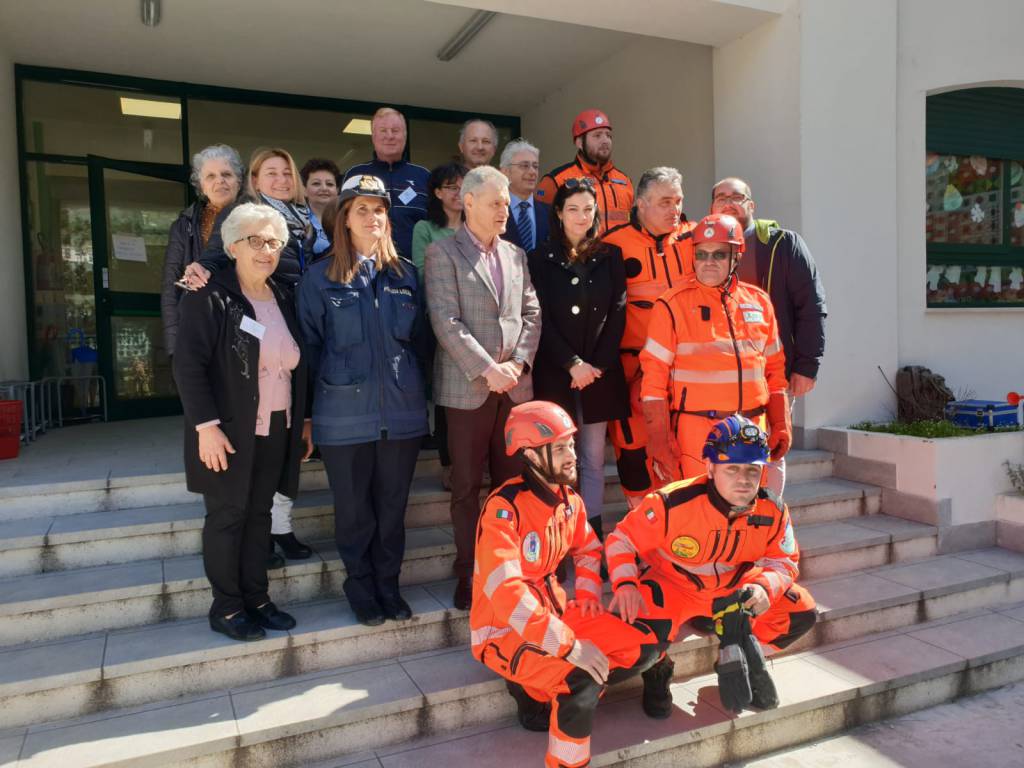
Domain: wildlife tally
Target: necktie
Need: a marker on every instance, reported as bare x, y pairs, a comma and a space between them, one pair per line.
525, 226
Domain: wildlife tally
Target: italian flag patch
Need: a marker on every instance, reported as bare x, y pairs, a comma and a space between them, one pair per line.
504, 514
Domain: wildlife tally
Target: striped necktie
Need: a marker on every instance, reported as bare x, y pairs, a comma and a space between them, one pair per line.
525, 226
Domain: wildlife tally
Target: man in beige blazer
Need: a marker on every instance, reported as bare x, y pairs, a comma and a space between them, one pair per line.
486, 318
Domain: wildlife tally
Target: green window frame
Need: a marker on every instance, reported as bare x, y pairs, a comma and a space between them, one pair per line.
975, 157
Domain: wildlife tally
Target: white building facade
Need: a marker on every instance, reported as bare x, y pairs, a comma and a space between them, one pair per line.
820, 104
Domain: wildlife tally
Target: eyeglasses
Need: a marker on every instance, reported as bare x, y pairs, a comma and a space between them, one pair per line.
451, 187
711, 255
737, 199
258, 243
524, 167
581, 182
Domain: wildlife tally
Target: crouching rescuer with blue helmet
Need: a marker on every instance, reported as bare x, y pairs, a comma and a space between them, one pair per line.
717, 545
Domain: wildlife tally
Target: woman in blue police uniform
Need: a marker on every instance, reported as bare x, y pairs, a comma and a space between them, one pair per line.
360, 314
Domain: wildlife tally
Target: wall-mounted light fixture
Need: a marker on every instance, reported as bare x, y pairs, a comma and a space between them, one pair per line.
169, 110
461, 39
358, 125
150, 12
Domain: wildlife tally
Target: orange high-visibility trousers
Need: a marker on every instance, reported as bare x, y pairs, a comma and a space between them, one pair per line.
629, 438
669, 608
572, 692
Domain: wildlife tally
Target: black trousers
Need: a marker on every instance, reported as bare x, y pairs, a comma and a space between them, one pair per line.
236, 532
476, 439
370, 483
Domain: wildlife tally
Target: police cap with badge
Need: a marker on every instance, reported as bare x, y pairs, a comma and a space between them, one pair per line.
364, 185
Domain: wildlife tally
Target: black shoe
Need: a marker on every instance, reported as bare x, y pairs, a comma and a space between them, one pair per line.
369, 614
238, 627
657, 699
395, 608
463, 597
269, 617
429, 443
293, 548
274, 561
704, 625
533, 715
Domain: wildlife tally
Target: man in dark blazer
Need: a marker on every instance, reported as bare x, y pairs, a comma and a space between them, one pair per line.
486, 318
529, 220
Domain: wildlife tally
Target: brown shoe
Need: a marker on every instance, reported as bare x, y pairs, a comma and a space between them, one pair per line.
463, 597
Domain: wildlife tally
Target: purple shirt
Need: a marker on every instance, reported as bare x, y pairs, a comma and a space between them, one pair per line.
490, 256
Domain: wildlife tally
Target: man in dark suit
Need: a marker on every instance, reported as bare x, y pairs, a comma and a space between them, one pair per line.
528, 219
486, 317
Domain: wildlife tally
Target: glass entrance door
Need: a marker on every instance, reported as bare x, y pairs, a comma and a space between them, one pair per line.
133, 206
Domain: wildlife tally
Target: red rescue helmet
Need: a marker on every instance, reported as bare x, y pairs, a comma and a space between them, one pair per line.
537, 423
589, 120
719, 228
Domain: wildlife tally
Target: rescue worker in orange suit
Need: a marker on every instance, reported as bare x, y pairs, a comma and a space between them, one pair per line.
592, 134
556, 656
656, 250
716, 545
712, 350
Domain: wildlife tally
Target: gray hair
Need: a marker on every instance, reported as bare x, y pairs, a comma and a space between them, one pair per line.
513, 148
216, 152
659, 175
488, 123
247, 217
480, 177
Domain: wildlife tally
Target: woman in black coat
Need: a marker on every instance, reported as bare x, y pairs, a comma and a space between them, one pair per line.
242, 381
581, 285
217, 178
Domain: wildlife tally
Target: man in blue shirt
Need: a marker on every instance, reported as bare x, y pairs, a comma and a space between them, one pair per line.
528, 219
406, 182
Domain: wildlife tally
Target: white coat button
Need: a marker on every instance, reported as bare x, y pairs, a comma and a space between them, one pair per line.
575, 310
575, 281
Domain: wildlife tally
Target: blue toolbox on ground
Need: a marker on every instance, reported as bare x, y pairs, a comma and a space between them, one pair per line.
981, 414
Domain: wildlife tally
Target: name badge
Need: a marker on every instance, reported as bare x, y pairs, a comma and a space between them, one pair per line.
253, 328
408, 196
753, 316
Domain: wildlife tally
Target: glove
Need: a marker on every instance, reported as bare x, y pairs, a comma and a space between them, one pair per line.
780, 428
732, 625
762, 688
662, 448
588, 657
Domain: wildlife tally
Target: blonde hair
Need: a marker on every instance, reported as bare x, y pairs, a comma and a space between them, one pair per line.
344, 264
259, 157
384, 112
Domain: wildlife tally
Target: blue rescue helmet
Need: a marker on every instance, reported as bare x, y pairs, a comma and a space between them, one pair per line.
736, 440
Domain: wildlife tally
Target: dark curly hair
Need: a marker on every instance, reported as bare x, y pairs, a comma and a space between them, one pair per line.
319, 164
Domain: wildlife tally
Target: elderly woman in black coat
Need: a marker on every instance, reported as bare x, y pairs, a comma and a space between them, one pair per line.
217, 177
242, 379
581, 286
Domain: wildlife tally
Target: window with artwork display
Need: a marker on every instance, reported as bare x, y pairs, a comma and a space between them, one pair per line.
974, 181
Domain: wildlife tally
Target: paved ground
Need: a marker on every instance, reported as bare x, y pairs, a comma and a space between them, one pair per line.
980, 731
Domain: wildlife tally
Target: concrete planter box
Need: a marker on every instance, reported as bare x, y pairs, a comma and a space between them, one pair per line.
951, 482
1010, 521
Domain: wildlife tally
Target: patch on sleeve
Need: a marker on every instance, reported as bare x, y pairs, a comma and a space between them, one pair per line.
504, 514
788, 544
650, 515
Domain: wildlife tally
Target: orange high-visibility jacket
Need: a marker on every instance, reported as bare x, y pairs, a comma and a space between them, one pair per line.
653, 265
525, 531
688, 541
713, 348
614, 189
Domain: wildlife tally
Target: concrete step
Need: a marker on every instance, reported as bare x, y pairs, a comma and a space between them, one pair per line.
133, 487
891, 641
103, 671
70, 602
62, 542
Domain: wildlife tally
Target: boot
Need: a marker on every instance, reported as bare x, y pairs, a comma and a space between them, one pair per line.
293, 548
533, 715
657, 700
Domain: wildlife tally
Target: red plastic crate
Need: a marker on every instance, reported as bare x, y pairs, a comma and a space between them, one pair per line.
10, 428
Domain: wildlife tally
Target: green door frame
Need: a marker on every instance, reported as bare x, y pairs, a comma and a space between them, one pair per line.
111, 304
